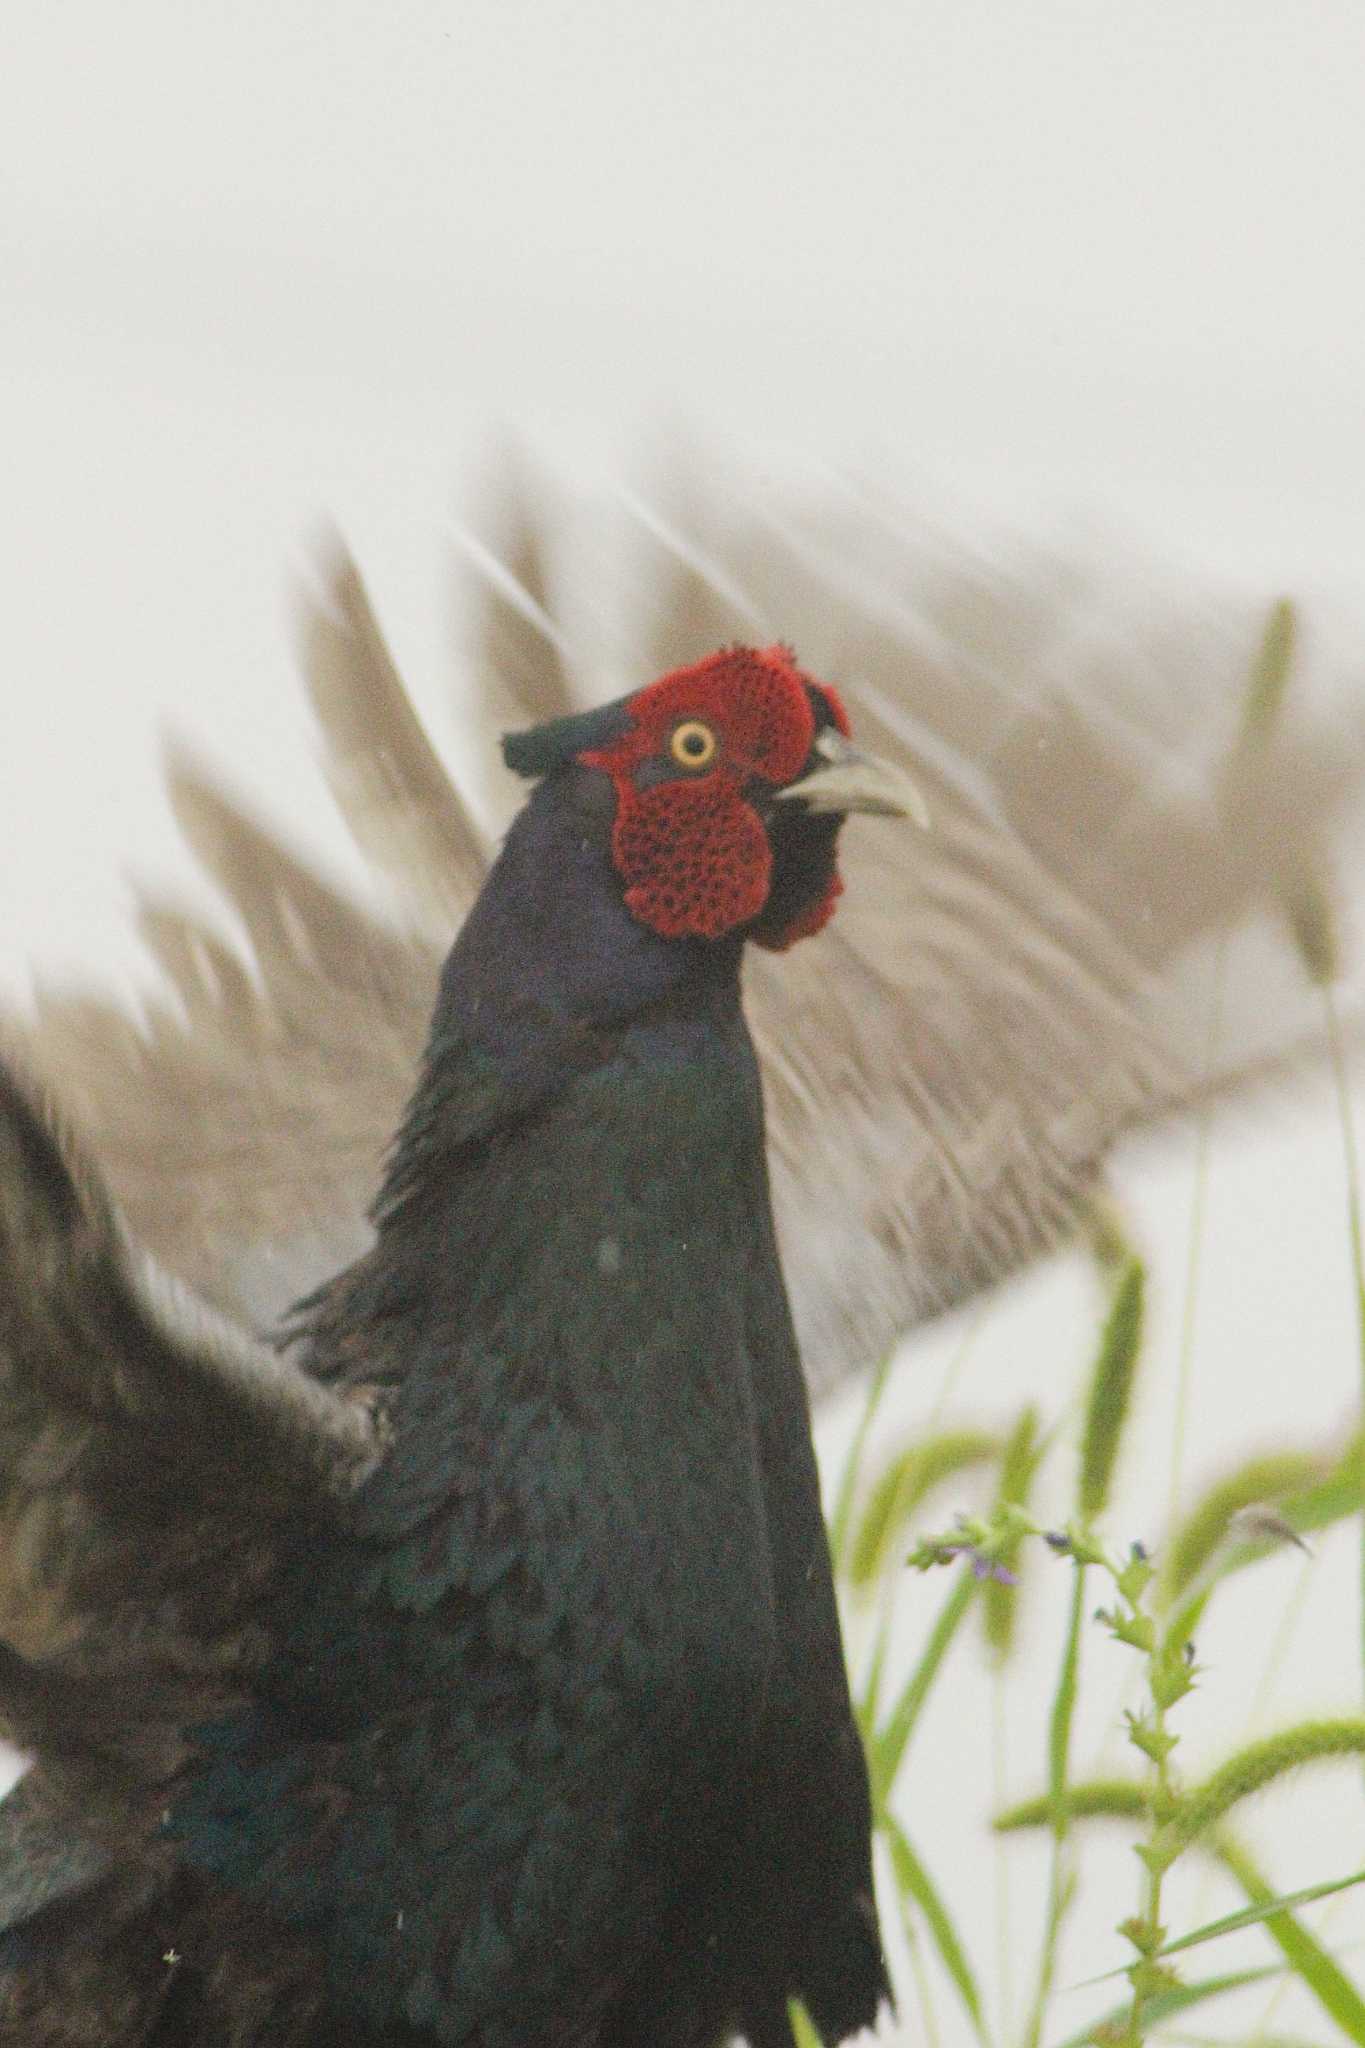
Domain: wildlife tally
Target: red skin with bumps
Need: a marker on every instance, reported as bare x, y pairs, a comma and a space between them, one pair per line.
690, 846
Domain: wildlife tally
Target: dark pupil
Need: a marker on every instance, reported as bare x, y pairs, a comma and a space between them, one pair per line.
694, 744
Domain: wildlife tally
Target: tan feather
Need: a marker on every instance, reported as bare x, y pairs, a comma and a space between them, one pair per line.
243, 1132
519, 651
404, 811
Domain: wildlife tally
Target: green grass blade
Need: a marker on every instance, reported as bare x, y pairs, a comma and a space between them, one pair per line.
1353, 1217
890, 1743
1260, 2040
1252, 1916
804, 2034
1164, 2005
1233, 1923
1304, 1953
1123, 1799
848, 1479
867, 1704
915, 1883
1059, 1766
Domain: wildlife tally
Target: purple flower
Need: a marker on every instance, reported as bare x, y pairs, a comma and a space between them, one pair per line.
983, 1567
991, 1568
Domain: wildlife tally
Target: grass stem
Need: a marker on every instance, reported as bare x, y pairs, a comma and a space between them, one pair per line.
1337, 1052
1059, 1764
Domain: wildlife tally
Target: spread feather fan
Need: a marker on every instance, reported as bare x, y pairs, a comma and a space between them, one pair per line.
1122, 791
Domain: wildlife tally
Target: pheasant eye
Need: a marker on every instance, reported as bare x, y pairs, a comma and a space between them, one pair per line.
693, 744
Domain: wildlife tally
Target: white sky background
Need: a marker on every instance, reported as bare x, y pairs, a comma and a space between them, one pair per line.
1081, 264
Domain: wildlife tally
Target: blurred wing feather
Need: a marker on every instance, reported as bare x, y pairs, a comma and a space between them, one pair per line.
518, 651
404, 811
151, 1453
243, 1130
997, 1002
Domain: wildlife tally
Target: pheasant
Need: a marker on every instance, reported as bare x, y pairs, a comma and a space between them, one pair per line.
537, 1731
325, 1652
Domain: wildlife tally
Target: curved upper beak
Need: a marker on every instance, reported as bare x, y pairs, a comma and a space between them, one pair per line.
846, 779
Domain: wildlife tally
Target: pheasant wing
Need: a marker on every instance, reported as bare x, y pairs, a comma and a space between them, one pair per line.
151, 1455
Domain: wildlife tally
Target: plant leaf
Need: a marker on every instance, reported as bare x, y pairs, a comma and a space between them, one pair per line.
804, 2034
1250, 1916
888, 1746
1164, 2005
1316, 1970
841, 1518
915, 1883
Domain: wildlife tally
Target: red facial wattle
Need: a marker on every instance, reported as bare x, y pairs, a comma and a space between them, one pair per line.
694, 856
691, 848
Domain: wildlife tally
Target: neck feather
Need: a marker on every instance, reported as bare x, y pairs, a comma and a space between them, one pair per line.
547, 975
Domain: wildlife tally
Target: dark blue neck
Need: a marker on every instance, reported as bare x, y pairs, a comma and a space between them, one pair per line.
551, 924
547, 974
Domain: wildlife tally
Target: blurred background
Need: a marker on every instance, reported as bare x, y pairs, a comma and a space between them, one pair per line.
1087, 274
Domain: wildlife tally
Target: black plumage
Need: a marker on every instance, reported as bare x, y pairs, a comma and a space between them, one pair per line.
540, 1733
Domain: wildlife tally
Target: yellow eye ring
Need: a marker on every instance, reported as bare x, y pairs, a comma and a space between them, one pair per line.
692, 744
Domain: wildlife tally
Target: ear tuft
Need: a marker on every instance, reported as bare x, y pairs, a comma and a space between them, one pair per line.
535, 752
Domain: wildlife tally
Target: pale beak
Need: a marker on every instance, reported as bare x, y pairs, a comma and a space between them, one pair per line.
847, 779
